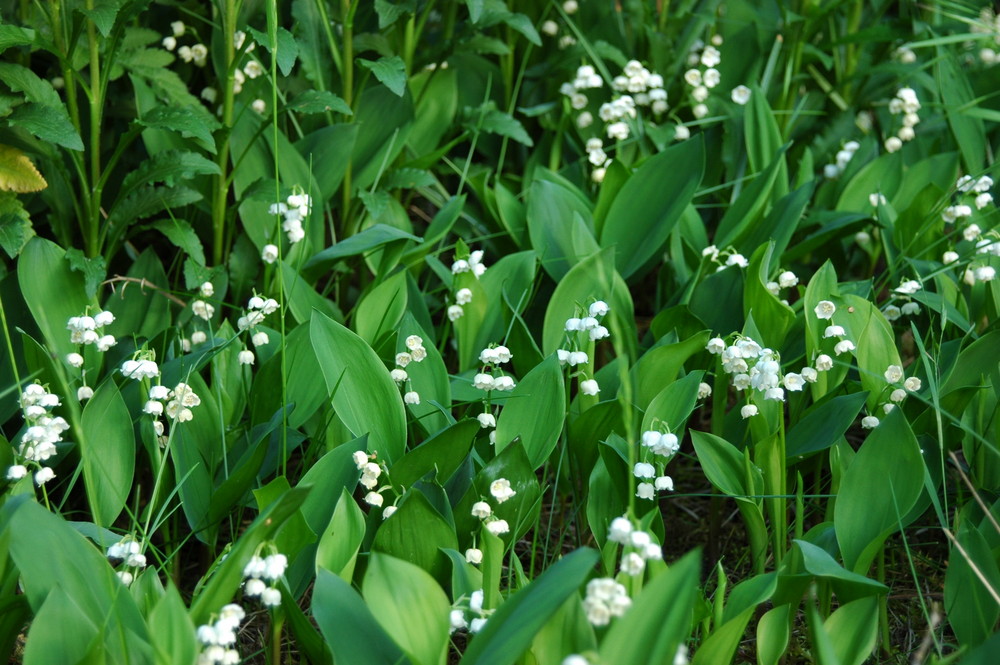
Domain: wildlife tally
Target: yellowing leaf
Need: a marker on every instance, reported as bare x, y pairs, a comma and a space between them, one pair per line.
17, 173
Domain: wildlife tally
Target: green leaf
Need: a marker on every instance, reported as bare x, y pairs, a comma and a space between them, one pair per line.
971, 609
12, 35
554, 214
391, 72
341, 540
169, 167
369, 240
533, 412
318, 101
763, 140
94, 269
364, 395
852, 630
659, 620
673, 404
182, 235
379, 311
442, 454
880, 486
650, 204
389, 12
429, 378
56, 298
956, 97
417, 533
823, 424
847, 585
174, 639
720, 647
495, 121
17, 173
773, 318
49, 123
288, 48
348, 625
103, 15
184, 121
509, 632
303, 300
107, 448
772, 635
15, 225
411, 607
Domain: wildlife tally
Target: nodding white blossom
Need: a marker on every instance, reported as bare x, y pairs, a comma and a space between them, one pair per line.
140, 369
869, 422
16, 472
912, 384
463, 296
246, 357
486, 420
589, 387
644, 470
198, 337
704, 390
260, 107
483, 381
787, 279
633, 564
269, 254
481, 509
985, 273
893, 374
74, 359
495, 355
748, 411
501, 490
498, 527
411, 397
681, 133
620, 530
843, 346
645, 491
44, 475
824, 363
825, 310
834, 331
664, 483
892, 144
503, 383
605, 599
374, 499
741, 95
455, 312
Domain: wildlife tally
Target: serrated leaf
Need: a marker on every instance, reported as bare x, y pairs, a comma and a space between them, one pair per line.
169, 167
523, 24
495, 121
318, 101
288, 48
150, 201
49, 123
94, 269
15, 226
182, 235
184, 121
389, 12
17, 173
147, 57
475, 9
103, 15
35, 89
406, 178
391, 72
11, 35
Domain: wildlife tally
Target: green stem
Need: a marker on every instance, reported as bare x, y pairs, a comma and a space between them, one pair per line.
883, 607
348, 7
220, 195
92, 235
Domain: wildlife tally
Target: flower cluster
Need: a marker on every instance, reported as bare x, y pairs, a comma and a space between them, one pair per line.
786, 280
293, 210
605, 598
491, 358
757, 368
218, 639
907, 306
127, 551
43, 432
584, 332
638, 545
842, 159
370, 473
501, 491
89, 330
988, 25
198, 53
415, 352
260, 577
474, 264
898, 385
724, 258
659, 447
459, 619
905, 103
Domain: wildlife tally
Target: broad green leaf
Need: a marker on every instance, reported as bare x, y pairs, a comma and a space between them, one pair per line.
720, 647
823, 424
184, 121
763, 140
174, 639
17, 173
54, 298
48, 123
552, 212
771, 316
659, 366
772, 635
747, 209
303, 300
429, 378
852, 630
378, 142
341, 540
650, 204
672, 405
369, 240
534, 411
364, 395
411, 607
436, 93
318, 101
288, 48
971, 609
519, 511
379, 311
847, 585
60, 632
183, 236
880, 486
442, 454
509, 632
957, 97
659, 620
417, 532
352, 632
107, 448
876, 350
